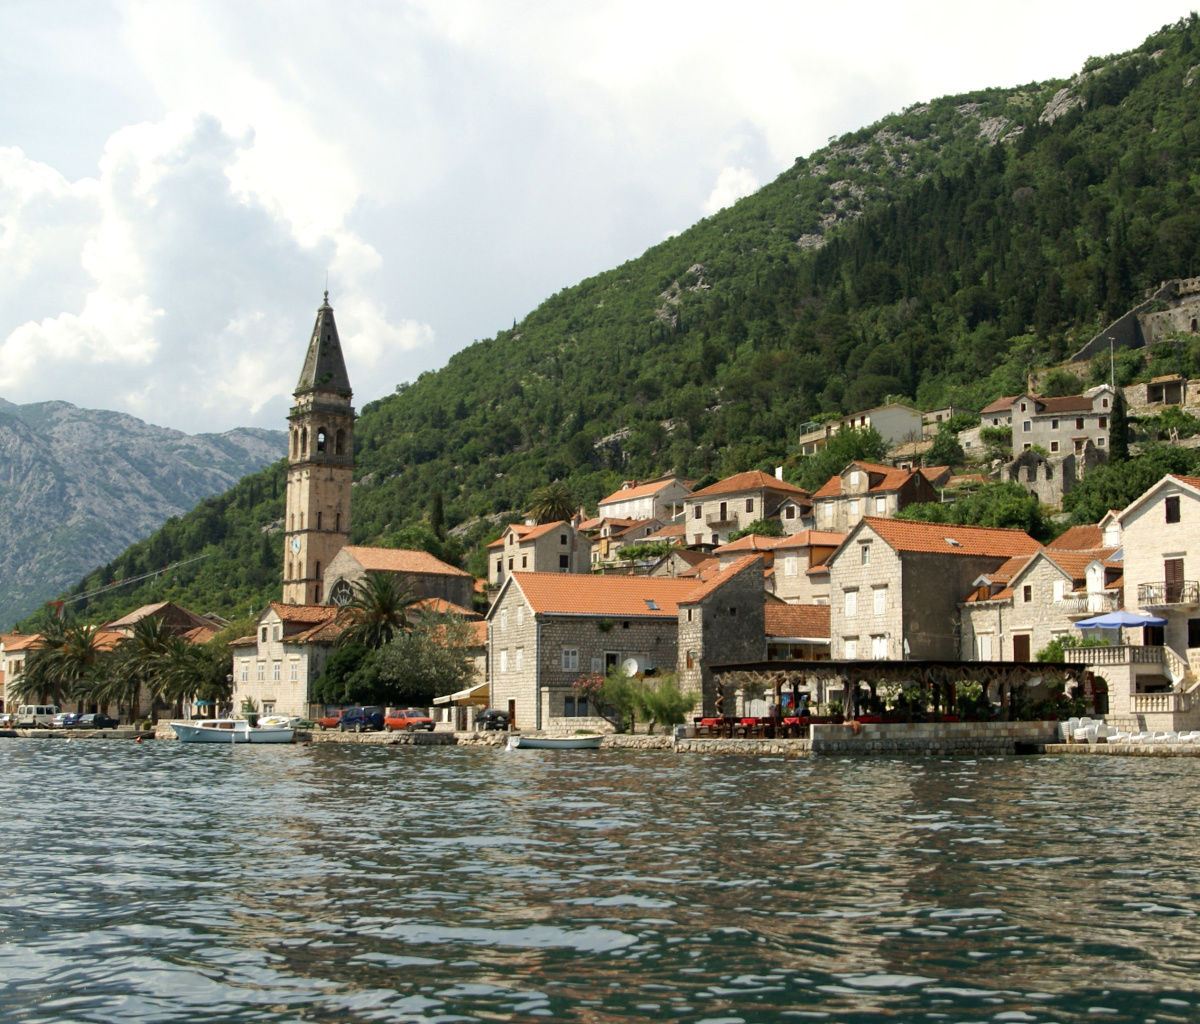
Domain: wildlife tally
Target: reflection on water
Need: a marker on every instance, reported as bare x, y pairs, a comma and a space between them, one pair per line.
163, 882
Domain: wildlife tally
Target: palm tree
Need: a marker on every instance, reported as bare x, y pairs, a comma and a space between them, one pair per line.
139, 664
40, 679
181, 671
552, 503
77, 661
377, 610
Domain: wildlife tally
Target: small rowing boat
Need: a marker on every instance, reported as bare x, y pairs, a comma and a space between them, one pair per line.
229, 730
554, 742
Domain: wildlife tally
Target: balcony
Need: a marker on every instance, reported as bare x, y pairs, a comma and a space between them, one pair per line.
1081, 606
717, 519
1125, 654
1160, 703
1184, 594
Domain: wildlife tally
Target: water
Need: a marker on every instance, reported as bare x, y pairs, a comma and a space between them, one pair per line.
161, 882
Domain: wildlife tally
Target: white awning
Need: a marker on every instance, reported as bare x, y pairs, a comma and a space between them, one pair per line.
480, 693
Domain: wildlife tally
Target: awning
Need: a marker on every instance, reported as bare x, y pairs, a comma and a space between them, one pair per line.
479, 694
1119, 618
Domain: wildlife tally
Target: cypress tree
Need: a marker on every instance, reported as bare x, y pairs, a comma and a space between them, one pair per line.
437, 516
1118, 433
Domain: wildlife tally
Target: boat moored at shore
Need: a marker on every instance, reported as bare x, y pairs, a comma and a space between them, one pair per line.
229, 730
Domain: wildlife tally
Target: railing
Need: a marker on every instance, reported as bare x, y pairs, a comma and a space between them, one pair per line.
716, 519
1160, 703
1089, 604
1124, 654
1177, 667
1160, 595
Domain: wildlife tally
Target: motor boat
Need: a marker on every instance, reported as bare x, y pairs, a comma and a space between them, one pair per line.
230, 730
554, 742
279, 722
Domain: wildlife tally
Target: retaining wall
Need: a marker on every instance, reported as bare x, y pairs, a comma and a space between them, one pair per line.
935, 738
753, 748
1126, 749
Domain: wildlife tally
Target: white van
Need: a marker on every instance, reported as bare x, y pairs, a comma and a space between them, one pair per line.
36, 716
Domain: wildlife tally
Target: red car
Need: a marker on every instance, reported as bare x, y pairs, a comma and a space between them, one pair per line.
330, 721
408, 720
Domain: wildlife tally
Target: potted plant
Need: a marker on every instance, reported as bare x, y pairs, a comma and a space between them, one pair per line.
250, 711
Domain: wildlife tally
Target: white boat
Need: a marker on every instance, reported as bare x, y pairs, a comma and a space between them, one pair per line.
279, 722
554, 742
229, 730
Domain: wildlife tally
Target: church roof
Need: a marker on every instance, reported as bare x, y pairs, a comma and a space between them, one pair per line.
324, 367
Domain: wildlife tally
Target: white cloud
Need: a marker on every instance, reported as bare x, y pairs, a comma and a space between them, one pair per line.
449, 163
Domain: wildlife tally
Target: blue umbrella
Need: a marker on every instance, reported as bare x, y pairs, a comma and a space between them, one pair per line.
1117, 619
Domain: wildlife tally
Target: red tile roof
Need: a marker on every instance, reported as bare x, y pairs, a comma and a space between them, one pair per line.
520, 529
754, 480
418, 563
1078, 538
808, 621
893, 480
310, 613
1075, 563
707, 563
999, 405
639, 490
803, 539
937, 538
669, 532
1068, 403
555, 593
715, 580
440, 606
966, 480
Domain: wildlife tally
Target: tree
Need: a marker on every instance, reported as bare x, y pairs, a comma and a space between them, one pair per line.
660, 702
41, 679
552, 503
1118, 431
432, 659
862, 444
437, 515
377, 610
945, 451
1004, 506
350, 676
761, 528
139, 663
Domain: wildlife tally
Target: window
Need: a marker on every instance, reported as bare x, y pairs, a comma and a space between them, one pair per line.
829, 511
597, 663
570, 659
851, 649
791, 566
562, 538
1172, 507
789, 512
1059, 589
879, 647
698, 539
880, 506
732, 610
503, 620
262, 671
499, 566
520, 662
520, 615
264, 634
854, 507
1027, 426
879, 594
1078, 422
691, 659
1026, 446
245, 671
851, 603
524, 561
275, 632
318, 520
1022, 407
1099, 442
504, 660
1103, 422
716, 538
696, 512
689, 615
268, 707
1027, 593
564, 561
854, 478
983, 647
864, 554
1104, 403
293, 670
1053, 446
276, 671
749, 504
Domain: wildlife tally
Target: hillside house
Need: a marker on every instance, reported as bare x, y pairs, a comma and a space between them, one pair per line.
611, 535
895, 423
866, 489
427, 576
1061, 426
525, 547
787, 561
895, 586
732, 504
660, 499
176, 620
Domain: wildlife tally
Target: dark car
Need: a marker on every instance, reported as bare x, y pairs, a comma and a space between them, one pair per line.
65, 720
492, 718
100, 721
361, 720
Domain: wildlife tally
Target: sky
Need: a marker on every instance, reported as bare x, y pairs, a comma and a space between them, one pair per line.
179, 179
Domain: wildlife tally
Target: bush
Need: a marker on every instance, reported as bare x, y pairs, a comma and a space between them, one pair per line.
1052, 653
760, 527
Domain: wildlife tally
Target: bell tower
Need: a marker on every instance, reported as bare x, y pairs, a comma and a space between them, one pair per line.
320, 465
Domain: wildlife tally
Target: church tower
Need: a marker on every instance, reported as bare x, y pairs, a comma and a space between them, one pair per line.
320, 465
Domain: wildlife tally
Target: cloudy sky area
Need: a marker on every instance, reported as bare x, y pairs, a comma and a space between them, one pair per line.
176, 178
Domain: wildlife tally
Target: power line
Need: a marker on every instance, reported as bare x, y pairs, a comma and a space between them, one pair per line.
132, 579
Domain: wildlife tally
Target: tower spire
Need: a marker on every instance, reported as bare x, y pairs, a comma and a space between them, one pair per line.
324, 367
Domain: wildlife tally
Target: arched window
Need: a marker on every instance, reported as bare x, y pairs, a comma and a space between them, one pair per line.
303, 442
318, 520
317, 570
1193, 325
292, 521
341, 594
337, 522
339, 442
320, 439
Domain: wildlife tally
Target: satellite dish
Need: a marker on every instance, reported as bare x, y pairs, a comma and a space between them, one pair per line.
630, 666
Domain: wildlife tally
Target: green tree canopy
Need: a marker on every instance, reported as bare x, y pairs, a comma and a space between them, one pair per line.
377, 610
852, 445
1005, 506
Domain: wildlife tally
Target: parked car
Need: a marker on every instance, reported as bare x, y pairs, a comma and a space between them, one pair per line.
330, 720
361, 720
99, 721
65, 720
36, 716
492, 718
409, 720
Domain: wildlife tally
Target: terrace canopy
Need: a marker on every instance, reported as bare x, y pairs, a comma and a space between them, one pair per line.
1119, 619
477, 695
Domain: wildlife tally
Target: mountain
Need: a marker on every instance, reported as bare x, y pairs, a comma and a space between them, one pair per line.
78, 486
938, 255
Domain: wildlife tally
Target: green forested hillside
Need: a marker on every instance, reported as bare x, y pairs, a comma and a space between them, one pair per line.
940, 255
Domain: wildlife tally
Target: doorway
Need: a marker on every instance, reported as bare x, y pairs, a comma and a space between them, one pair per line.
1021, 647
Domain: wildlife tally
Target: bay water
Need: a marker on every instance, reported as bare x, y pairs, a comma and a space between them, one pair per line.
165, 882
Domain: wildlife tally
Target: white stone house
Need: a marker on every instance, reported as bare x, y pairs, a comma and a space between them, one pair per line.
895, 423
277, 666
787, 561
526, 547
660, 499
713, 513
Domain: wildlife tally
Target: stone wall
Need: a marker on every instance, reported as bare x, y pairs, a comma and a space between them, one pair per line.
934, 738
854, 636
752, 748
933, 586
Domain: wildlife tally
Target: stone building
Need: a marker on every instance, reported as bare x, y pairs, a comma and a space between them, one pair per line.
1051, 477
895, 586
277, 666
787, 562
713, 513
867, 489
526, 547
429, 577
660, 499
797, 632
1015, 611
320, 465
1062, 425
895, 423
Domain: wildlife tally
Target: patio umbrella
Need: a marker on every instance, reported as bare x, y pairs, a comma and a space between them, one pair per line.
1117, 619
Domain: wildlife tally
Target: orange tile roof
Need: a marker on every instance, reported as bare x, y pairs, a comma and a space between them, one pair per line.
201, 634
803, 539
1078, 538
669, 532
715, 580
22, 641
583, 527
699, 568
420, 563
244, 641
932, 473
520, 529
169, 611
440, 606
754, 480
797, 620
965, 479
304, 612
999, 405
1191, 481
1009, 569
555, 593
639, 490
1117, 584
893, 480
934, 538
1075, 563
